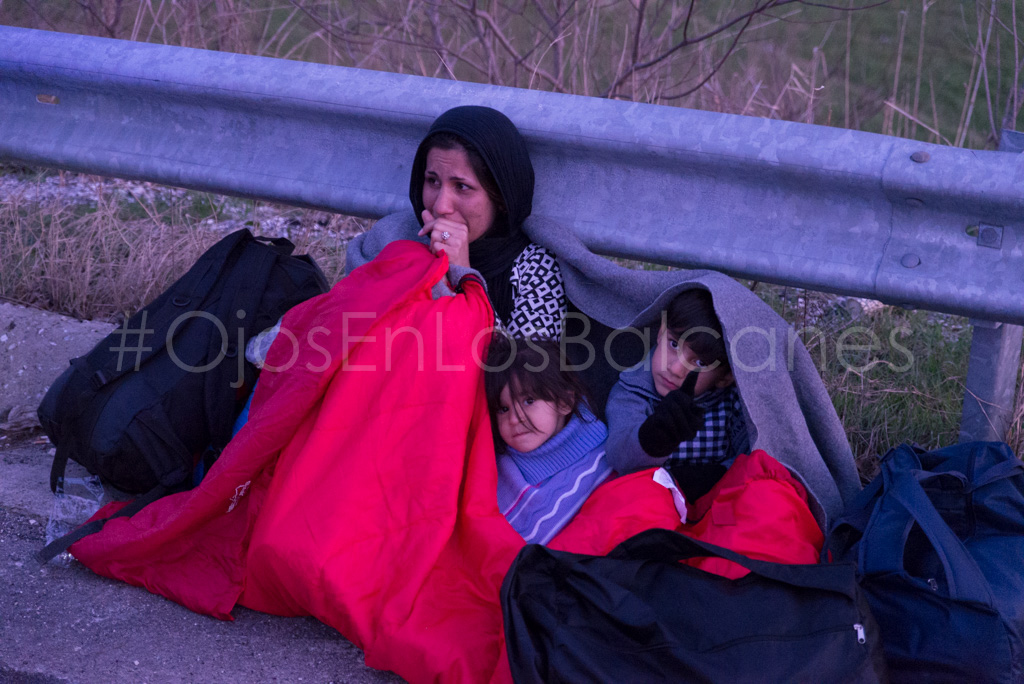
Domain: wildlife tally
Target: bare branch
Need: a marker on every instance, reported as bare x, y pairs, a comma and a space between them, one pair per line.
982, 55
686, 42
845, 9
39, 14
714, 70
87, 6
909, 115
350, 37
689, 15
639, 25
1013, 101
486, 17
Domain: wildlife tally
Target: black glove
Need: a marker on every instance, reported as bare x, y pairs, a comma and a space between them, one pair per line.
676, 419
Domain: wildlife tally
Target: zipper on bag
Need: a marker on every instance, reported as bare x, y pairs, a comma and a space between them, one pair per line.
861, 638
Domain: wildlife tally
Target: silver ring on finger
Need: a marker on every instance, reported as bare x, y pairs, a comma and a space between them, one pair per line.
445, 235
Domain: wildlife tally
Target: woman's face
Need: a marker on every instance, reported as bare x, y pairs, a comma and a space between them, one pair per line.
451, 190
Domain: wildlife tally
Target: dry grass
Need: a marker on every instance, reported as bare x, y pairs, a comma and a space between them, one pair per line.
1015, 435
104, 260
90, 264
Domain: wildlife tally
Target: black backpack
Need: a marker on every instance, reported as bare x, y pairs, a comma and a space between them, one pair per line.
162, 391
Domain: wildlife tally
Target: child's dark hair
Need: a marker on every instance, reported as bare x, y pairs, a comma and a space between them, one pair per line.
693, 309
530, 368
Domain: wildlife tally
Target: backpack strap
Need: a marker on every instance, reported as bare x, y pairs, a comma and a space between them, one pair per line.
187, 295
243, 292
849, 529
666, 546
61, 545
1000, 471
67, 402
59, 467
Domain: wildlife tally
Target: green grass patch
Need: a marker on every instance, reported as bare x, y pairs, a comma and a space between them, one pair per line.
896, 376
893, 375
923, 63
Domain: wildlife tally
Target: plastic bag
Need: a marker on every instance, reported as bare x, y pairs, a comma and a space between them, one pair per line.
81, 498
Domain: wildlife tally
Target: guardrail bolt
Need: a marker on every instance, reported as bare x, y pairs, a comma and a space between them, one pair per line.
920, 157
910, 260
990, 236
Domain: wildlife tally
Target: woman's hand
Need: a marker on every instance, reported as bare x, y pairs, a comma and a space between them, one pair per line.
447, 236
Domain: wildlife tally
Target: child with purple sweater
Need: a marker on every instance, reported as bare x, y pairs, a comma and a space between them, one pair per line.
550, 447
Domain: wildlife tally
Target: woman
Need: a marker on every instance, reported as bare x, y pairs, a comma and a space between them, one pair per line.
471, 191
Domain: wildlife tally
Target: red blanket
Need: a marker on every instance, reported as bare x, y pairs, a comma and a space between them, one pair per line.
362, 490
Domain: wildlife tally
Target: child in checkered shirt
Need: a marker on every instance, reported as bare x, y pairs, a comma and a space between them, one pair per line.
680, 407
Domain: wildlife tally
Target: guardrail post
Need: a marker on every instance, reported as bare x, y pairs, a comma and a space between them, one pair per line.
991, 381
995, 359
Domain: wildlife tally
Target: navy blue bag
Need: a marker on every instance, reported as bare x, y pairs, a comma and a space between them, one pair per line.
938, 538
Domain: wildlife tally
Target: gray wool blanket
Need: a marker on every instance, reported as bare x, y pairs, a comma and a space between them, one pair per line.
789, 413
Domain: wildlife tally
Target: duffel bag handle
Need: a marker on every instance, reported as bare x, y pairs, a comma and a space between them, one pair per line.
669, 547
1000, 471
884, 553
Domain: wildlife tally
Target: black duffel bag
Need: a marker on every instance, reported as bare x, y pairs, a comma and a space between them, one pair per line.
638, 615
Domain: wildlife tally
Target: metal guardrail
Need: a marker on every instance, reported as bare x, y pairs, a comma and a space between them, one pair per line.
908, 223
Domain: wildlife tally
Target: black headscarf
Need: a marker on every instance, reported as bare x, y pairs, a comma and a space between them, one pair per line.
503, 149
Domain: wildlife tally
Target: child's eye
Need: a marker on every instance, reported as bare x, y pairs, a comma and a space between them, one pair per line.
528, 401
674, 344
502, 409
701, 363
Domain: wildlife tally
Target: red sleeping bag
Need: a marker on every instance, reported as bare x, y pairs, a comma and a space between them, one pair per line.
362, 490
757, 509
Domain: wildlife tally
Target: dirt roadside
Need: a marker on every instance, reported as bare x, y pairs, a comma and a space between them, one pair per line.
35, 347
65, 624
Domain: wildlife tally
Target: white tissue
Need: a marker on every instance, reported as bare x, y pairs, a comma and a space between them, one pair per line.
662, 477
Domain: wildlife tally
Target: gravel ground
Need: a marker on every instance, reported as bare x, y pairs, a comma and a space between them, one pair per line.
65, 624
25, 186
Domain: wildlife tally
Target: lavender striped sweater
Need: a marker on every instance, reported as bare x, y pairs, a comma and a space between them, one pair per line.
540, 491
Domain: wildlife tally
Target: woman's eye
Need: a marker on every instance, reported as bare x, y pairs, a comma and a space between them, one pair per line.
432, 182
462, 187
